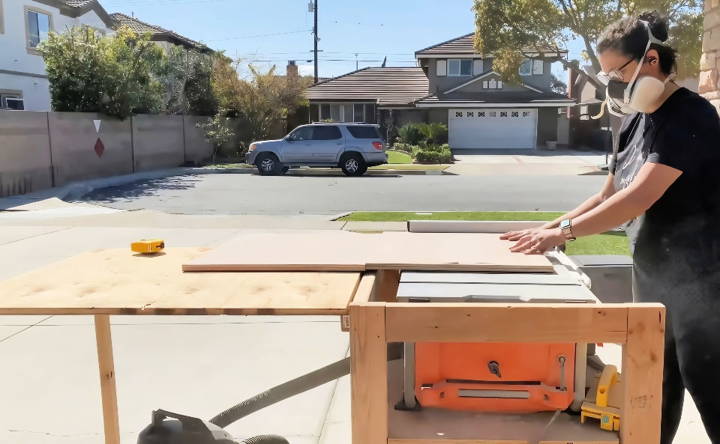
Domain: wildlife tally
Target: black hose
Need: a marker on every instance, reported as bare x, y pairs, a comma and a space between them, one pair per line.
289, 389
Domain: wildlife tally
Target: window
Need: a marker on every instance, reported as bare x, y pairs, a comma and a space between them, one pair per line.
499, 84
514, 114
335, 113
38, 27
458, 114
526, 113
485, 84
364, 131
526, 67
302, 133
503, 113
370, 114
441, 68
460, 67
470, 114
326, 132
481, 114
324, 112
492, 84
12, 100
347, 113
538, 65
359, 115
493, 113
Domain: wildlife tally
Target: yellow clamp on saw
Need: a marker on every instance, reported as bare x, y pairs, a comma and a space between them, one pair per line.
605, 408
148, 246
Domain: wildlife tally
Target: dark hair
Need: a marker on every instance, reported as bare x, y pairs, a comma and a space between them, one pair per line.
629, 36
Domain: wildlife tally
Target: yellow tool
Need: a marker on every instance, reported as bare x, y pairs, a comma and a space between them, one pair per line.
605, 407
148, 246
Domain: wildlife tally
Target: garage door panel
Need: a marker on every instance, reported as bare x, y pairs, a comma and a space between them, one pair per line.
492, 128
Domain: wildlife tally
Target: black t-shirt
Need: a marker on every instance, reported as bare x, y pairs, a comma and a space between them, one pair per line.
678, 238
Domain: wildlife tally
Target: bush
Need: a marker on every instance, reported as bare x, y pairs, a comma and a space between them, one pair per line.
433, 154
404, 147
412, 133
437, 133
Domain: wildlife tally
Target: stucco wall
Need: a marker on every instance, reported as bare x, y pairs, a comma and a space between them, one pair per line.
24, 153
16, 61
709, 84
197, 148
158, 142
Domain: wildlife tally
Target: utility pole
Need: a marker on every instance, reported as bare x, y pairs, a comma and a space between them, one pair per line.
356, 62
314, 4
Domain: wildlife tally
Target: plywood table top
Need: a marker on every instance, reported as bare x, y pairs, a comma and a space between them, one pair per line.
119, 282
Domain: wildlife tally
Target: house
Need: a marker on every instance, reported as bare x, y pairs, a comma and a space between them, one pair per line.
161, 36
455, 85
23, 25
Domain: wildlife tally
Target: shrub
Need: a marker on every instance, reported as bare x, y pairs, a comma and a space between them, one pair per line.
433, 154
412, 133
437, 133
404, 147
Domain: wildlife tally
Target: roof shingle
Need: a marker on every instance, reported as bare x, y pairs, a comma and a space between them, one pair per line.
156, 31
389, 86
463, 45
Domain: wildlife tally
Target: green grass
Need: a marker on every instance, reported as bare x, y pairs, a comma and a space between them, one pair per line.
608, 243
398, 157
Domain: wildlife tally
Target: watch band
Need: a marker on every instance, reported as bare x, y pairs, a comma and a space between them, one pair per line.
566, 227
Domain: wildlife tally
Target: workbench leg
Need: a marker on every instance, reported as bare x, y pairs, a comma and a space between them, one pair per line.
368, 353
103, 338
642, 376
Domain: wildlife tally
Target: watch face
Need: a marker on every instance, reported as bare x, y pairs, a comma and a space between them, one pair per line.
565, 224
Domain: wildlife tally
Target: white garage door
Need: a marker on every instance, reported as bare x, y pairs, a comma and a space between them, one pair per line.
492, 128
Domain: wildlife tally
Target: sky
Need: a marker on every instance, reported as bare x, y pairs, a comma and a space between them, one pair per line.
352, 33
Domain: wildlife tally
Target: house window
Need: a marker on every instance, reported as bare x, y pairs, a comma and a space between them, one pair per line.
515, 114
458, 114
492, 84
441, 68
359, 115
11, 100
485, 84
324, 112
538, 65
499, 84
526, 67
470, 114
493, 113
38, 25
460, 67
481, 114
348, 112
526, 113
503, 113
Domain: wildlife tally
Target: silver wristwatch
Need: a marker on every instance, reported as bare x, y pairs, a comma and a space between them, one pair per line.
566, 227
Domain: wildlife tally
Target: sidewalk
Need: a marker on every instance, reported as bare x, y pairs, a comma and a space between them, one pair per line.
189, 364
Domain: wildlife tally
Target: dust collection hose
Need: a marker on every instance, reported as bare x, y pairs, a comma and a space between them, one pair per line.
291, 388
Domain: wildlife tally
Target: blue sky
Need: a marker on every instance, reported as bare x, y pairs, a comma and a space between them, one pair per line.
274, 31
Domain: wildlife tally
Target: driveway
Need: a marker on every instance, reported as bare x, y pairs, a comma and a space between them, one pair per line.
527, 162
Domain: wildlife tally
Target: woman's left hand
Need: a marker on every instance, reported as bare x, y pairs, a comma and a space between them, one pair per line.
538, 242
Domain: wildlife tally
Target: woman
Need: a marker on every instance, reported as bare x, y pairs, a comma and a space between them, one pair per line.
664, 182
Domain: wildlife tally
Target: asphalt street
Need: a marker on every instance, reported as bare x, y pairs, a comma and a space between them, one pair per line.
310, 194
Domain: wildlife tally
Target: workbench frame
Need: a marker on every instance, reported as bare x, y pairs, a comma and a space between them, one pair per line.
376, 321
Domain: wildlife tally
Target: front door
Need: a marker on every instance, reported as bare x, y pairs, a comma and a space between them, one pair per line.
327, 143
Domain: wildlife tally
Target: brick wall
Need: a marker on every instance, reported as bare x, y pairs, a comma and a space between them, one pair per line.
710, 61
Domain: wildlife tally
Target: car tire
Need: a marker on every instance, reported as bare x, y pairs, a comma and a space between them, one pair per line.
268, 164
353, 164
284, 170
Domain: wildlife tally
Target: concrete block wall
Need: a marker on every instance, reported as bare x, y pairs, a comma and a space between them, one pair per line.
25, 162
158, 142
709, 83
39, 150
73, 138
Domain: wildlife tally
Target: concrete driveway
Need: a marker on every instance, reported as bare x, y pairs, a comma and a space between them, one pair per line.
527, 162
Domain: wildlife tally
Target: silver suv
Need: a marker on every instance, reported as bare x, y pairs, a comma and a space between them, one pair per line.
351, 146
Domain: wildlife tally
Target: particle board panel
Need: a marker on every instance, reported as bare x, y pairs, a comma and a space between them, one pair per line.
120, 282
438, 426
346, 251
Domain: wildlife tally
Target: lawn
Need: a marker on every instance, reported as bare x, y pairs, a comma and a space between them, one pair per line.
398, 157
608, 243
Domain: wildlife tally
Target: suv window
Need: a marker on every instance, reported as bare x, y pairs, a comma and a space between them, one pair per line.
364, 132
304, 133
326, 133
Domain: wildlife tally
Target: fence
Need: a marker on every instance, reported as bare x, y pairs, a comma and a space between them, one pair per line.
42, 150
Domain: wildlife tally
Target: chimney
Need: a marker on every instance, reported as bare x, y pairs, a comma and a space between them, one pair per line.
292, 69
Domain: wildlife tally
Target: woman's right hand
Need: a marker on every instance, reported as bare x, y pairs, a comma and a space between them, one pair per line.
517, 235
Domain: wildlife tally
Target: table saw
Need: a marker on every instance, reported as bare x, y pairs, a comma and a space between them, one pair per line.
554, 314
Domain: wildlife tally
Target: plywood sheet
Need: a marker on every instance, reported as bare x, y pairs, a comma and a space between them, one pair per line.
345, 251
119, 282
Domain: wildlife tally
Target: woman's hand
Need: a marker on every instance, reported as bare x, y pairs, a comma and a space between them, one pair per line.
517, 235
538, 241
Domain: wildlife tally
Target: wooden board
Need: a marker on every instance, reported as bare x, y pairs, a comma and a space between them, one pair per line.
514, 293
346, 251
120, 282
438, 426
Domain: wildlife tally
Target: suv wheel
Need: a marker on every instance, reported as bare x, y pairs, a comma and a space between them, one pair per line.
268, 164
353, 165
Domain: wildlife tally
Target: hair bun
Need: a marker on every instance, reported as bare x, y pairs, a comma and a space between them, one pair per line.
658, 24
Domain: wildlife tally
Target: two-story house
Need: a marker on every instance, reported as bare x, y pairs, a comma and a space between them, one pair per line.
455, 85
23, 25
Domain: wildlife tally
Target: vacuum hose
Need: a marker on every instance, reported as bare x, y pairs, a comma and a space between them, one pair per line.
291, 388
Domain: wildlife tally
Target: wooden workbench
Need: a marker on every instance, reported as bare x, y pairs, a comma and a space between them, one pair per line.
116, 282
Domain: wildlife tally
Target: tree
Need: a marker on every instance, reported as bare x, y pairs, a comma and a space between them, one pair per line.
260, 102
187, 77
116, 75
515, 29
217, 132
